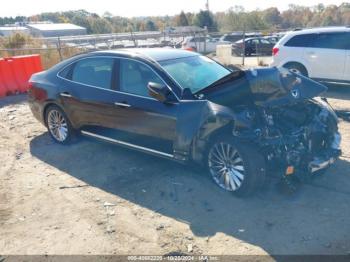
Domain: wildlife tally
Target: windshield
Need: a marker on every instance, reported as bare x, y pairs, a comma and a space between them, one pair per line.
194, 72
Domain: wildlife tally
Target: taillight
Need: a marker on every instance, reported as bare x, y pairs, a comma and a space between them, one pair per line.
36, 92
275, 51
190, 49
30, 87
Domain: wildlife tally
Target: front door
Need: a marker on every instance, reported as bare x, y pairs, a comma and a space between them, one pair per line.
151, 122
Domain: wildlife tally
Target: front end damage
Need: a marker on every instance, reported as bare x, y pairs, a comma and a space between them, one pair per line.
297, 133
300, 139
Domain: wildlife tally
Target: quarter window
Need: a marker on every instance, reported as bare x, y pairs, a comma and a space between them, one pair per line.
305, 40
94, 72
134, 77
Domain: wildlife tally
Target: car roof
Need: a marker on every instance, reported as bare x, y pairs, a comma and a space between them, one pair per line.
247, 39
155, 54
321, 30
316, 30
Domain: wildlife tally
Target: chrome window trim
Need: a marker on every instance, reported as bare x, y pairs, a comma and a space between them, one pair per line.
76, 61
115, 91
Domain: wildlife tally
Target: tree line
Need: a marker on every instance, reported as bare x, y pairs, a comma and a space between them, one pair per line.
234, 19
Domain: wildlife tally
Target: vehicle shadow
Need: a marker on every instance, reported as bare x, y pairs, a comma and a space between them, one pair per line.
302, 223
338, 91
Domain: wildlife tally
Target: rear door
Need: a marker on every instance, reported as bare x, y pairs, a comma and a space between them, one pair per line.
265, 47
87, 93
326, 57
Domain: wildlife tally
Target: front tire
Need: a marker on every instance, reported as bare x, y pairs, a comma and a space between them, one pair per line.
236, 166
58, 125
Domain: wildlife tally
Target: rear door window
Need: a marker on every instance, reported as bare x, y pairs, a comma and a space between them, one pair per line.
95, 72
305, 40
339, 40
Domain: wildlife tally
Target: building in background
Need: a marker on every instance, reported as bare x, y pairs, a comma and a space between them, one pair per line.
184, 30
55, 30
10, 30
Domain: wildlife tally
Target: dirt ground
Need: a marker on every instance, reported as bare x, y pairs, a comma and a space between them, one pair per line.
95, 198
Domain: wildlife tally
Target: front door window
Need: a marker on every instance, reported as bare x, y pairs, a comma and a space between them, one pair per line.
135, 76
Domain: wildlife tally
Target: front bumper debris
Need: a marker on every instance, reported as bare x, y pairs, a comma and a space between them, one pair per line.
318, 164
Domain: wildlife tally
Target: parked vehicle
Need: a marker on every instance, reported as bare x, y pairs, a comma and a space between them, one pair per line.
202, 44
186, 107
320, 53
236, 36
233, 37
250, 46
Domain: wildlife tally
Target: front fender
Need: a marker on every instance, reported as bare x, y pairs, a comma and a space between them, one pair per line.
197, 120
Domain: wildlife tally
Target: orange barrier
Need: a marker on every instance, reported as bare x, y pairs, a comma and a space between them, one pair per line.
15, 73
3, 87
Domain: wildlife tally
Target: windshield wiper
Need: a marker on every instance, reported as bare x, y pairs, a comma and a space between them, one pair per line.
225, 79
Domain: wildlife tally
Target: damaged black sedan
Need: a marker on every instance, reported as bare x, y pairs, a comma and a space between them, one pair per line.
183, 106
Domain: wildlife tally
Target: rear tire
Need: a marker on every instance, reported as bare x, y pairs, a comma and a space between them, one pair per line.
235, 166
297, 68
59, 126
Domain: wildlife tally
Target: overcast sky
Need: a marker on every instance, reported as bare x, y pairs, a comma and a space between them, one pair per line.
131, 8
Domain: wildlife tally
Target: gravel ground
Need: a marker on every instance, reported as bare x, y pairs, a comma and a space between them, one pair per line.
95, 198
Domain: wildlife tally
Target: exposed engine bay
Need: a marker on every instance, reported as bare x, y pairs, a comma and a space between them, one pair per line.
301, 138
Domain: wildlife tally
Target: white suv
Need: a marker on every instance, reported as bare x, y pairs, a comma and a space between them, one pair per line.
320, 53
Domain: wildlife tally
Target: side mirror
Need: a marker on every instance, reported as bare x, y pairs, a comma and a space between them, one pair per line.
160, 92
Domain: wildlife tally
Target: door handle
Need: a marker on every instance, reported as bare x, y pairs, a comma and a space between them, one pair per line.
124, 104
66, 95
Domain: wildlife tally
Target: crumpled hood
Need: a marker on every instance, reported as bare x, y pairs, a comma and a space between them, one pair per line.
266, 87
279, 86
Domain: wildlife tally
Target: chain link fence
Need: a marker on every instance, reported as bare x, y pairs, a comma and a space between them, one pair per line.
55, 49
